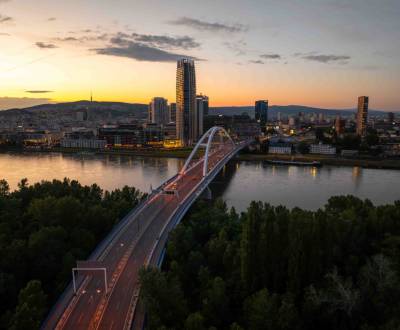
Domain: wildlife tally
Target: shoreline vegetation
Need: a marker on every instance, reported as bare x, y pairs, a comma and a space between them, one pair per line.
267, 268
45, 228
393, 164
276, 268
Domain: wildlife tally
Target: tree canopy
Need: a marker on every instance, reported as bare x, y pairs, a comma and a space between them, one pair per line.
44, 229
275, 268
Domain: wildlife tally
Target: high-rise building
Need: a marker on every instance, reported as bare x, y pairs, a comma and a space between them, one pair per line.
186, 101
158, 111
339, 125
261, 113
391, 117
201, 108
362, 115
172, 113
205, 105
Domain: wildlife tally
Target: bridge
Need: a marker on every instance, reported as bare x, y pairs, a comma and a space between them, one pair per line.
105, 289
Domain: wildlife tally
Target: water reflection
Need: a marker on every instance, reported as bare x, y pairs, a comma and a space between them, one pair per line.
306, 187
238, 183
356, 176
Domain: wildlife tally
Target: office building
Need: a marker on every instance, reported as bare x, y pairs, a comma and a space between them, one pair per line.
172, 113
261, 113
323, 149
186, 101
153, 134
362, 116
391, 117
122, 135
280, 148
158, 111
339, 125
205, 105
201, 108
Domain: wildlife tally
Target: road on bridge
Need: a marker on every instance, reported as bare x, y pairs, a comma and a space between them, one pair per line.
92, 307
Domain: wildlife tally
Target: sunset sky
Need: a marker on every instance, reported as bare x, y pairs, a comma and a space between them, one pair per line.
311, 52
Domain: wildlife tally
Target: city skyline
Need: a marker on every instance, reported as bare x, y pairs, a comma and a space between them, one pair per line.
322, 54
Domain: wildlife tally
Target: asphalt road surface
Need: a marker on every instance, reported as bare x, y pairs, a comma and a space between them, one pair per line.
92, 307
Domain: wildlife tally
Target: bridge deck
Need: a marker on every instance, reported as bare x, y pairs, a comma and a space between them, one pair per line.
139, 242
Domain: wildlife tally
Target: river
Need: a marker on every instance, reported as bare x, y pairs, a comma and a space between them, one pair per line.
239, 183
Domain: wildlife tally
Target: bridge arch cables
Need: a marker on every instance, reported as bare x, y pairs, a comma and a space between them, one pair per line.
207, 142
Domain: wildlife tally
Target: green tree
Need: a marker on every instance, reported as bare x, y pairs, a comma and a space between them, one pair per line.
31, 307
261, 310
163, 299
4, 188
195, 321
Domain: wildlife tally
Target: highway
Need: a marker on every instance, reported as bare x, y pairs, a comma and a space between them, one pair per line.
130, 249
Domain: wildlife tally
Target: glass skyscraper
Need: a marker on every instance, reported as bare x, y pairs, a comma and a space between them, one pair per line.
261, 113
362, 116
158, 111
201, 110
186, 125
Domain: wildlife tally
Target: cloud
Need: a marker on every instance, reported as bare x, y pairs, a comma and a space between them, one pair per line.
183, 42
140, 52
38, 91
208, 26
50, 19
157, 41
271, 56
324, 58
99, 37
4, 19
21, 102
237, 47
4, 34
256, 61
45, 46
67, 39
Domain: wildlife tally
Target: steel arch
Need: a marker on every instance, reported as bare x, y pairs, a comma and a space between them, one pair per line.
209, 135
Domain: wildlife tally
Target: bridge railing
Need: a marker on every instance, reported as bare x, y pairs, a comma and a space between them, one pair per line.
178, 215
65, 298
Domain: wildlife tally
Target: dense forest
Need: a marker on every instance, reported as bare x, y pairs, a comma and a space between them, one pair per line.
44, 229
274, 268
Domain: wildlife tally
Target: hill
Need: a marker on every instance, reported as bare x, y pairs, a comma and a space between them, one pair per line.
138, 110
289, 110
113, 109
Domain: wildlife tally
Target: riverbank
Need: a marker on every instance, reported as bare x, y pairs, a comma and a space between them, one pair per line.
326, 160
183, 153
168, 153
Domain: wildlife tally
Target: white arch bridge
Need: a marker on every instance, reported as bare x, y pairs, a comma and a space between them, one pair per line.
105, 291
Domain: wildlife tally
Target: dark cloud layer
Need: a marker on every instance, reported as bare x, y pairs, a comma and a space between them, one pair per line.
38, 91
184, 42
324, 58
84, 38
4, 19
139, 52
45, 46
256, 61
208, 26
271, 56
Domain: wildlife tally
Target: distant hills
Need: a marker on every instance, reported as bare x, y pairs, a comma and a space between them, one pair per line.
102, 109
138, 110
289, 110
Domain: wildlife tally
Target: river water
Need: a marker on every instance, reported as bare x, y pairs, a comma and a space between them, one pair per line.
238, 184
